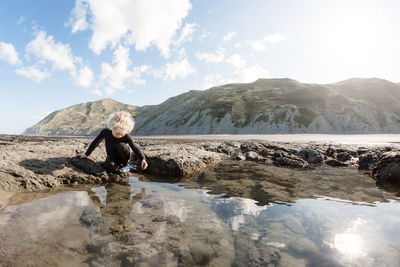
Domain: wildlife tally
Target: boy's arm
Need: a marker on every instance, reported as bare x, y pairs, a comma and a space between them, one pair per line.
95, 143
135, 148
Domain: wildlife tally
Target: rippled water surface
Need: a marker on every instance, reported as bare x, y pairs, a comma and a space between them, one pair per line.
268, 216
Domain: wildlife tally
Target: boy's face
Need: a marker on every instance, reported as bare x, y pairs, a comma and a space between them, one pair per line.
117, 134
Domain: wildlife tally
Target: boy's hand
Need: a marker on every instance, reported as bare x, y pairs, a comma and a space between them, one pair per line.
144, 164
81, 156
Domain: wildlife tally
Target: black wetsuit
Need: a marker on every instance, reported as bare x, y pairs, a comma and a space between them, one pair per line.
118, 152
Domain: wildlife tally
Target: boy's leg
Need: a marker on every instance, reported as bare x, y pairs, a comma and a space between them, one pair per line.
123, 153
110, 165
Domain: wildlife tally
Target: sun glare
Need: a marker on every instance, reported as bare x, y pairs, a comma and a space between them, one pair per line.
349, 244
353, 38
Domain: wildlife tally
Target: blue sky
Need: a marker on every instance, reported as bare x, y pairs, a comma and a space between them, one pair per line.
54, 54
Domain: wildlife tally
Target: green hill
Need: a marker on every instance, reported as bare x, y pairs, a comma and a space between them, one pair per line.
264, 106
81, 119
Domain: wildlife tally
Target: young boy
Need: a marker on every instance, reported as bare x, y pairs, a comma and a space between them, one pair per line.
119, 124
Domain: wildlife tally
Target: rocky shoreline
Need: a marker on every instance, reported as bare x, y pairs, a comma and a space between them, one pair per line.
30, 163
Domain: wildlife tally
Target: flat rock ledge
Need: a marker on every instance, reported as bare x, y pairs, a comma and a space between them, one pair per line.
30, 163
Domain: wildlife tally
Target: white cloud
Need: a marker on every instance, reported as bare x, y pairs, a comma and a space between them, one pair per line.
236, 60
228, 36
78, 16
216, 57
178, 69
187, 33
84, 78
110, 90
45, 48
205, 34
60, 57
21, 19
32, 73
251, 74
140, 22
262, 44
219, 56
215, 79
8, 54
116, 76
96, 92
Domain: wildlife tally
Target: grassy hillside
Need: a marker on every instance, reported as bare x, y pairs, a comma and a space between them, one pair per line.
264, 103
81, 119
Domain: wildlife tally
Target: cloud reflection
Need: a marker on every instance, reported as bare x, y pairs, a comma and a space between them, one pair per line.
351, 243
235, 208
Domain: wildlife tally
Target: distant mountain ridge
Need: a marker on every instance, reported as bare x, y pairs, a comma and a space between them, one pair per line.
81, 119
262, 107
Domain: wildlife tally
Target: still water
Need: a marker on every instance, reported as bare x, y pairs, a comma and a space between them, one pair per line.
144, 223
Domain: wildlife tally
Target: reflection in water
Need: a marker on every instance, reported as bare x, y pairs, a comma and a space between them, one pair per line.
234, 209
161, 224
350, 243
116, 202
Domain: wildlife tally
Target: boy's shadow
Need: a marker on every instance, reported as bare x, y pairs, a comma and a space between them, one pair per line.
44, 166
88, 166
48, 166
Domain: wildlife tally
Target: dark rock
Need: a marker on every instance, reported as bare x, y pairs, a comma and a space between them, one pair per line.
330, 152
224, 148
340, 153
246, 147
265, 150
362, 151
336, 163
285, 159
311, 156
388, 168
276, 147
343, 156
368, 161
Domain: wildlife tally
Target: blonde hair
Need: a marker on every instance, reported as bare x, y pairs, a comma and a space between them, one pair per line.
121, 121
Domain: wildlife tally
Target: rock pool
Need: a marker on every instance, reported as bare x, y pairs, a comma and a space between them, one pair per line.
236, 214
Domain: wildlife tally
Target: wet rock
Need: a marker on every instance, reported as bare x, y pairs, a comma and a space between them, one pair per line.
362, 151
238, 156
288, 260
33, 163
311, 156
266, 183
224, 148
340, 154
253, 156
177, 160
265, 150
388, 168
246, 147
284, 159
303, 246
368, 161
336, 163
343, 156
249, 254
279, 147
